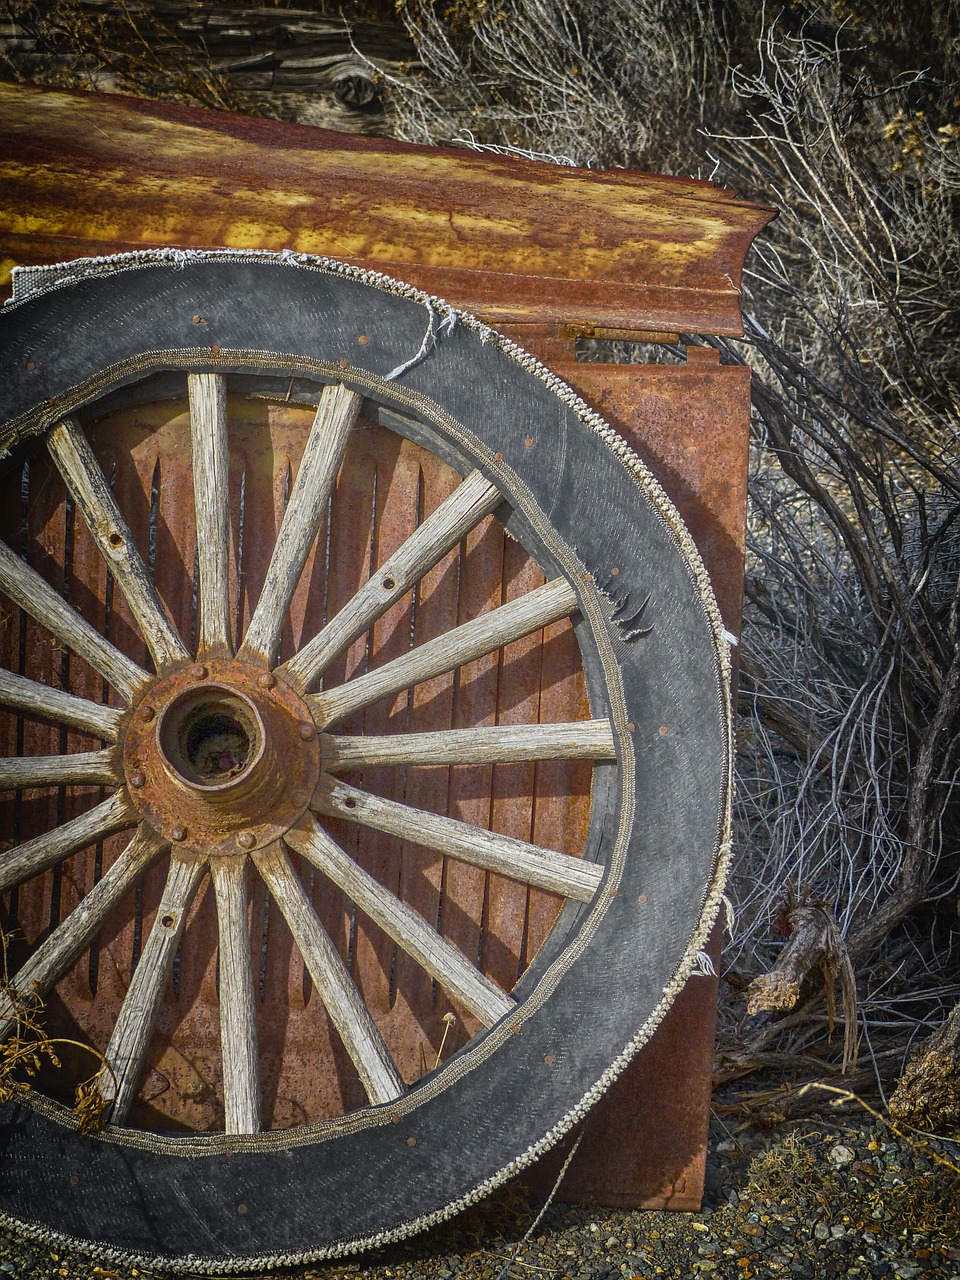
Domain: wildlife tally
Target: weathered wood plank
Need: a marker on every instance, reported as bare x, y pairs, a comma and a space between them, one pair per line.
441, 530
336, 414
127, 1051
29, 859
208, 424
33, 698
544, 868
238, 1017
490, 744
337, 990
57, 953
442, 961
462, 644
94, 767
84, 477
27, 589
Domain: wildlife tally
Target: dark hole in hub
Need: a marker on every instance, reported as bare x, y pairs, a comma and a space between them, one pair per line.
215, 745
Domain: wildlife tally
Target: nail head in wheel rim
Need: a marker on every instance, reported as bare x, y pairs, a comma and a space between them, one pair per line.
638, 904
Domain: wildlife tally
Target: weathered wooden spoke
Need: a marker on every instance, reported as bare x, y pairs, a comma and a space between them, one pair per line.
27, 589
84, 478
35, 699
72, 936
238, 1018
454, 972
25, 860
441, 531
208, 424
335, 416
93, 767
463, 644
517, 859
355, 1027
491, 744
127, 1051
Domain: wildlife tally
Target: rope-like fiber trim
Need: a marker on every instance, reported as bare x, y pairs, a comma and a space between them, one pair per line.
31, 281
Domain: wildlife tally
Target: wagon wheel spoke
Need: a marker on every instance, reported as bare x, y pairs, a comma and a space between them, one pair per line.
356, 1028
238, 1019
336, 414
475, 498
27, 589
489, 744
463, 644
529, 863
84, 478
439, 958
208, 427
83, 768
33, 698
25, 860
55, 956
126, 1053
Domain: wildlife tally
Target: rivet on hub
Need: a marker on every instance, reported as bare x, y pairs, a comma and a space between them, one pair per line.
178, 833
298, 799
137, 780
246, 839
198, 671
267, 680
307, 730
146, 713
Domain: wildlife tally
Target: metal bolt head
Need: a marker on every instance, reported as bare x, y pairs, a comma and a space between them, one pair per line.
246, 839
307, 730
267, 680
299, 799
137, 780
178, 833
146, 713
198, 671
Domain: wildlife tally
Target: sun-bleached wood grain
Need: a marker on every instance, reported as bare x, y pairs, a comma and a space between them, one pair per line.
58, 952
84, 477
238, 1015
34, 596
33, 698
95, 767
543, 868
450, 967
487, 744
469, 503
342, 1001
127, 1051
29, 859
336, 414
462, 644
211, 492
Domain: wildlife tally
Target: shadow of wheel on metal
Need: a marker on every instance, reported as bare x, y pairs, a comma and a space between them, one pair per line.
365, 757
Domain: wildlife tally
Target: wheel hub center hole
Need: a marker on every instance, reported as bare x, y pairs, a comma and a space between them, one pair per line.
217, 745
211, 736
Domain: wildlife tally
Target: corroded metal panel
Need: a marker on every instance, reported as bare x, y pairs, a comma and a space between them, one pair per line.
513, 240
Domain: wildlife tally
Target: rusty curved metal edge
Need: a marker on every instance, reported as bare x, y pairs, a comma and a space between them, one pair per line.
512, 239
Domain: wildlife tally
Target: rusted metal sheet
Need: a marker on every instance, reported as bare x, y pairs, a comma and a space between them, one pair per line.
510, 239
644, 1144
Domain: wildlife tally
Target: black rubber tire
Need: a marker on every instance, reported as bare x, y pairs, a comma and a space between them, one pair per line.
583, 505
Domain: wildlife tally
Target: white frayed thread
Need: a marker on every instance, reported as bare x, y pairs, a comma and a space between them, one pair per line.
730, 638
703, 966
434, 331
729, 914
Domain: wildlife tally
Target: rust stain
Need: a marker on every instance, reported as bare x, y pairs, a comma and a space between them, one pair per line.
83, 173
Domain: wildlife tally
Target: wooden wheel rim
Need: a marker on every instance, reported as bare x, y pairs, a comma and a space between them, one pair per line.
453, 1137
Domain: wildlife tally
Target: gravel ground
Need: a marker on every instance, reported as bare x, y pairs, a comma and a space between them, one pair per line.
821, 1200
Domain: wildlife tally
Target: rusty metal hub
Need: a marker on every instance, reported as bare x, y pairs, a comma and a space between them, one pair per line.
220, 756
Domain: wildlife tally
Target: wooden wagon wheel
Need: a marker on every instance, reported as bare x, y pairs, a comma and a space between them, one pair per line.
222, 755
